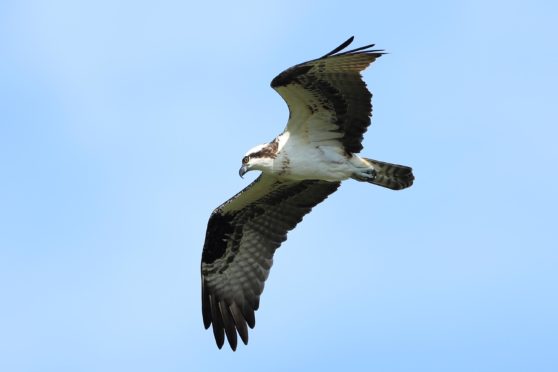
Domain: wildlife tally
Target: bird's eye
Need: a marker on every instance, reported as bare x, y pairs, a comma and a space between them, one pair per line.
245, 160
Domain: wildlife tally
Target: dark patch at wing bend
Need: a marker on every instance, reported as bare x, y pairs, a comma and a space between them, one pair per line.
290, 76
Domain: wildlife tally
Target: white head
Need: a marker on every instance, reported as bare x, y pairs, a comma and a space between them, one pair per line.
259, 158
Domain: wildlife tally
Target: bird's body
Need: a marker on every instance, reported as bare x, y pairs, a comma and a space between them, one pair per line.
295, 161
330, 110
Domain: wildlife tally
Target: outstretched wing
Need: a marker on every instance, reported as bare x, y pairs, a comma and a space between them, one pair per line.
242, 236
327, 98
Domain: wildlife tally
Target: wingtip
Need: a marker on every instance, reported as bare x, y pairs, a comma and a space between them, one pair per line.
219, 343
338, 50
345, 44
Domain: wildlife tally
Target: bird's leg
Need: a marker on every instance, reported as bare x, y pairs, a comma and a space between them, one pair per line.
365, 175
369, 174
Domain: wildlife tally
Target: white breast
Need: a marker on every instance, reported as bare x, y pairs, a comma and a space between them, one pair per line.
299, 160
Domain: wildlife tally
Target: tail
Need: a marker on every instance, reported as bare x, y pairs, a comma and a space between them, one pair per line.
392, 176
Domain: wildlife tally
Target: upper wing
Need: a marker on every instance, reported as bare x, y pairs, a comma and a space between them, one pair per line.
327, 98
242, 235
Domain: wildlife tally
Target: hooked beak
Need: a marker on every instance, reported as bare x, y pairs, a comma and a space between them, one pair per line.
242, 171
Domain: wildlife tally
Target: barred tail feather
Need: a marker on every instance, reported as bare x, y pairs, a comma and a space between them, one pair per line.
392, 176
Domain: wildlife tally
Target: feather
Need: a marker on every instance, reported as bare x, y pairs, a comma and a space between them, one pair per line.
345, 44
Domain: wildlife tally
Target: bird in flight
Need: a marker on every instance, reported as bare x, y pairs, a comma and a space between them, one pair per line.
330, 109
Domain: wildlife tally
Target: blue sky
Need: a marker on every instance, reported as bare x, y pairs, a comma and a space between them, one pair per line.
122, 125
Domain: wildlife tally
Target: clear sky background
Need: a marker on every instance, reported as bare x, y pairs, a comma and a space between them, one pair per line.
122, 125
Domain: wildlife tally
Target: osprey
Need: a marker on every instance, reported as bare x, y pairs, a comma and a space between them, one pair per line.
330, 109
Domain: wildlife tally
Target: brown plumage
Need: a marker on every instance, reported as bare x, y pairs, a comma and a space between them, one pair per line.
242, 236
332, 84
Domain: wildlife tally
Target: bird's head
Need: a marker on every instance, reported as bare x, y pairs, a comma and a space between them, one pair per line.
258, 158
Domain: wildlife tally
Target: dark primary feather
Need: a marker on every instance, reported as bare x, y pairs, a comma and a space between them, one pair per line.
331, 84
242, 236
345, 44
